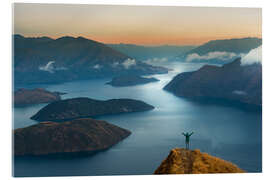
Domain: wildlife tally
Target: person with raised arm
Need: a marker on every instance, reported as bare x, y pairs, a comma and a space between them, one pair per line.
187, 135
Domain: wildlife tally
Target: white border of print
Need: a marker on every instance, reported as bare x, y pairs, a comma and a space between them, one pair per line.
5, 99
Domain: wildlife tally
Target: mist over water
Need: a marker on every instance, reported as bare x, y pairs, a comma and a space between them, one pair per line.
222, 130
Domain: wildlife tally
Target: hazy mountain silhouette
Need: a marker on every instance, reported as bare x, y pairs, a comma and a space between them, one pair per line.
148, 52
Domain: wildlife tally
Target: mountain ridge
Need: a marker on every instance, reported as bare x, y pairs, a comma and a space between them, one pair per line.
45, 60
231, 81
236, 42
221, 51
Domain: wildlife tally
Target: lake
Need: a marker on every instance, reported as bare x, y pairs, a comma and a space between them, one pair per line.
220, 129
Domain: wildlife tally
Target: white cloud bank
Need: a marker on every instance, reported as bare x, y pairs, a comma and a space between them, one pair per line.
212, 55
157, 60
49, 67
254, 56
128, 63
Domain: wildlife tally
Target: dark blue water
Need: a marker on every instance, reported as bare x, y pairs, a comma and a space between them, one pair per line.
223, 130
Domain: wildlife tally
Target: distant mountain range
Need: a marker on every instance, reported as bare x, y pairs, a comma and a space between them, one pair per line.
46, 60
145, 53
221, 51
232, 81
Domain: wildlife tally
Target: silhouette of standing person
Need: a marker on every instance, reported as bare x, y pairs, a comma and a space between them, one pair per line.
187, 135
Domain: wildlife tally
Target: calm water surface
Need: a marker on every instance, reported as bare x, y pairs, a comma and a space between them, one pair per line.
223, 130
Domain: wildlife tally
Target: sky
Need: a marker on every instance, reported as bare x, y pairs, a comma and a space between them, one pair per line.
144, 25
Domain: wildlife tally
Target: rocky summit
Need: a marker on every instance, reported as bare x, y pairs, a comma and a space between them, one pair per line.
182, 161
80, 135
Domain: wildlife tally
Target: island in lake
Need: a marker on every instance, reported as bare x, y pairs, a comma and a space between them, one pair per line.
130, 80
85, 107
23, 97
76, 136
183, 161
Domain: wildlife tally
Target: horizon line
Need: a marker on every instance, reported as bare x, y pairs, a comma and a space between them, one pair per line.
147, 45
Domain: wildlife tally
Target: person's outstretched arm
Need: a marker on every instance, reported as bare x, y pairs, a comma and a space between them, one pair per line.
191, 133
184, 134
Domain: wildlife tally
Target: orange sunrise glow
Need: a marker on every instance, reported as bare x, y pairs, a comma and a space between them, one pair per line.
145, 25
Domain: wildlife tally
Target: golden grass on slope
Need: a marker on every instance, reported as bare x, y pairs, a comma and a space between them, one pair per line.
182, 161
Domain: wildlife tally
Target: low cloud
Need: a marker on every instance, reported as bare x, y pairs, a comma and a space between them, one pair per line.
240, 93
49, 67
212, 55
156, 60
254, 56
128, 63
60, 68
115, 64
97, 66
